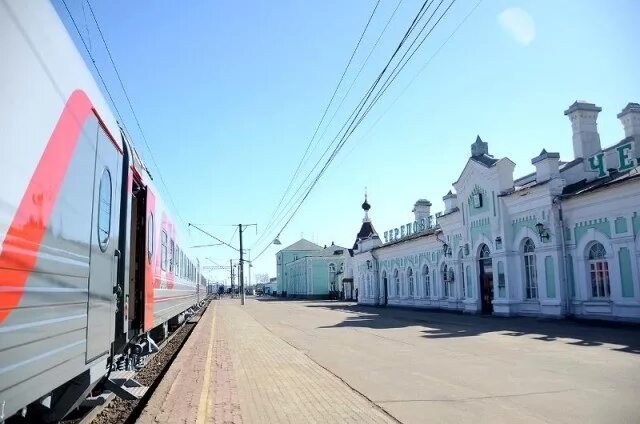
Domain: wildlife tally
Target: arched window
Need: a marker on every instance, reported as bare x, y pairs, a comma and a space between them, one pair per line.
446, 282
427, 281
485, 253
104, 210
410, 281
332, 277
530, 271
599, 271
396, 279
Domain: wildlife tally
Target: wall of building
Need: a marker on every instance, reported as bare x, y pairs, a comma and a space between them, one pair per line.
481, 237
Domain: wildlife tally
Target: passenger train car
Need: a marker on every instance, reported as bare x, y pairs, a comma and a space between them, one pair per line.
91, 260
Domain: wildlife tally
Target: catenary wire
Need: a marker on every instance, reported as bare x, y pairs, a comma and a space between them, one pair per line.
406, 87
324, 114
133, 112
360, 107
290, 204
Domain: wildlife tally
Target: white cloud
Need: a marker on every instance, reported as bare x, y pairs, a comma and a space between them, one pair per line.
519, 24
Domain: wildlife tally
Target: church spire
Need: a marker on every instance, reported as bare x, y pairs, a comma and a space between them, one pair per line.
366, 206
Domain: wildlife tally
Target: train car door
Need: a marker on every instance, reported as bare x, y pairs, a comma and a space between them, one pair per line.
105, 256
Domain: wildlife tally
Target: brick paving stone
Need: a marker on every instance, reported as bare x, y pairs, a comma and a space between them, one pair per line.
253, 377
278, 383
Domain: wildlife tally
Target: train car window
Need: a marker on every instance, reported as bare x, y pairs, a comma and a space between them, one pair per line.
177, 260
163, 251
104, 210
150, 235
171, 249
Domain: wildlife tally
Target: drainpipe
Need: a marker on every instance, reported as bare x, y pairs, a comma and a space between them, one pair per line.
557, 201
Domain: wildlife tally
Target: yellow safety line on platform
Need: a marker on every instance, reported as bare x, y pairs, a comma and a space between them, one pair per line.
204, 395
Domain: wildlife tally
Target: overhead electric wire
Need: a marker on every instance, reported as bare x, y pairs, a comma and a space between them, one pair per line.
355, 122
423, 10
93, 61
420, 14
133, 112
324, 114
353, 81
406, 87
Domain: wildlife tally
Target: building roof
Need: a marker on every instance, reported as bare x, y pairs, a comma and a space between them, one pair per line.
425, 233
303, 244
333, 250
486, 160
613, 178
366, 231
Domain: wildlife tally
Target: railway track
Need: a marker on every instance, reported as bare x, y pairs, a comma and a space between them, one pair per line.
116, 410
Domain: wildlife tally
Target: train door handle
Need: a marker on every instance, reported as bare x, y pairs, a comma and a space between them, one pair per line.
116, 262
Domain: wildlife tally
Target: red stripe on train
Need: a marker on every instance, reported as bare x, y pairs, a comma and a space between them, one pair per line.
29, 224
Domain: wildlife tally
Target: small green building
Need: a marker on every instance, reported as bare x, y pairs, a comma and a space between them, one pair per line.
306, 269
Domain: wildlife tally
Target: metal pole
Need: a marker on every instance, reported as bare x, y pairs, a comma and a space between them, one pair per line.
231, 268
250, 266
241, 267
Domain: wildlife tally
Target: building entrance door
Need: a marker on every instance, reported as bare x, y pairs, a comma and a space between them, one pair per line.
386, 290
486, 280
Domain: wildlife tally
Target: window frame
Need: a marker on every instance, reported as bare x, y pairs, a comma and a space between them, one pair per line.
172, 247
530, 268
598, 271
164, 239
150, 235
396, 280
426, 280
410, 282
103, 243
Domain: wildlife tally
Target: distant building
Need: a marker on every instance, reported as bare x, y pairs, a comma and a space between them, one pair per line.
308, 270
271, 287
562, 240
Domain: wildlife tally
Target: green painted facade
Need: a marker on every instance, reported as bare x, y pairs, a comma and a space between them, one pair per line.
601, 224
550, 277
636, 223
620, 225
571, 277
473, 211
523, 222
469, 282
626, 274
478, 227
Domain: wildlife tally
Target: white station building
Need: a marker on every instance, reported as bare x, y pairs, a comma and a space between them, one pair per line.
564, 240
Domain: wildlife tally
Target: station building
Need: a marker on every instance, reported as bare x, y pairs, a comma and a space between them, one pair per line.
307, 270
564, 240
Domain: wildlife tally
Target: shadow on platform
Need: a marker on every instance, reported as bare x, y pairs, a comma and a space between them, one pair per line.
445, 324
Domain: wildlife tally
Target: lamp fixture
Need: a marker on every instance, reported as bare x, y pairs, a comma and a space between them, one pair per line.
276, 241
543, 233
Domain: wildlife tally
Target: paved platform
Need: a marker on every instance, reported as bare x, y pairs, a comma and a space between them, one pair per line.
441, 367
234, 370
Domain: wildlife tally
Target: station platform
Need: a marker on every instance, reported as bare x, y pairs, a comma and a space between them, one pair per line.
234, 370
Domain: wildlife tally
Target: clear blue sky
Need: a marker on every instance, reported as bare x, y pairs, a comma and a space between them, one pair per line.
229, 93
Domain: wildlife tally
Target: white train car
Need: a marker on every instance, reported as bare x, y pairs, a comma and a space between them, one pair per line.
90, 258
